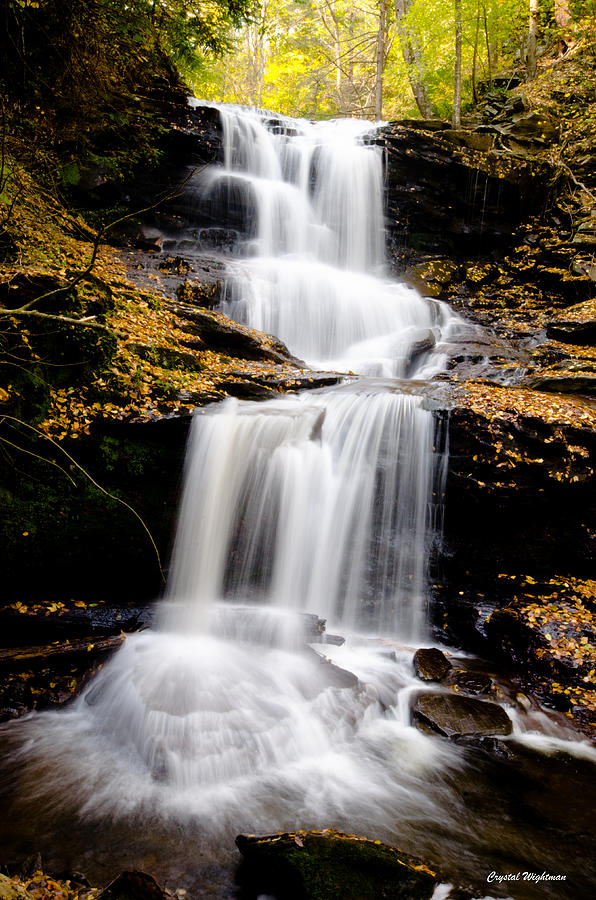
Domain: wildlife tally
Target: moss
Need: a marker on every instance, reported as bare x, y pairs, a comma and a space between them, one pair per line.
334, 866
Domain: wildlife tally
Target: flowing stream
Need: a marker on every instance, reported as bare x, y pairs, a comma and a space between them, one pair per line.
223, 719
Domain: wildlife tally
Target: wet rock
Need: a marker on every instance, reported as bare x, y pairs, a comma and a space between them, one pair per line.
418, 350
430, 664
336, 640
37, 657
549, 627
331, 674
469, 682
216, 332
47, 677
440, 197
149, 239
175, 265
133, 886
517, 457
331, 866
494, 747
452, 715
314, 627
22, 625
575, 325
247, 389
569, 383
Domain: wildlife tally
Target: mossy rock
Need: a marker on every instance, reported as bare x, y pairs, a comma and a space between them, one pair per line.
328, 865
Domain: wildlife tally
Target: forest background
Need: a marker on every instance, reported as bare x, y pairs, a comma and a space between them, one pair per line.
382, 58
84, 62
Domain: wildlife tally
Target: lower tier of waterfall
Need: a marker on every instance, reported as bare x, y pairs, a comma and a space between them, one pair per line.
321, 503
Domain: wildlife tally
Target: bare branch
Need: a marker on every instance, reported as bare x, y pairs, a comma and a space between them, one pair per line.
87, 475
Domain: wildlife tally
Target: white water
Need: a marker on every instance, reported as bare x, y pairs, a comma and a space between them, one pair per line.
321, 503
317, 503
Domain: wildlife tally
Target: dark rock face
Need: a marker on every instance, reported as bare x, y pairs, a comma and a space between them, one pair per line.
444, 196
519, 522
431, 664
521, 463
331, 866
452, 715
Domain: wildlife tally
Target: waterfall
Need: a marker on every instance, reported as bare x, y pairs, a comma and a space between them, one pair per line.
319, 503
224, 718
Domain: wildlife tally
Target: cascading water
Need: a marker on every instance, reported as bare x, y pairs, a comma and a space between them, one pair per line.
222, 719
323, 502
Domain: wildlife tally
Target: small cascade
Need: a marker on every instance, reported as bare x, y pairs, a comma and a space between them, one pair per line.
312, 272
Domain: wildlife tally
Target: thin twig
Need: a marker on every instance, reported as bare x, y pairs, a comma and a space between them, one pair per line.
92, 480
37, 456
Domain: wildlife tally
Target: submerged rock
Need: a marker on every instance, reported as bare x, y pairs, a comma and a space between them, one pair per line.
454, 716
431, 664
328, 865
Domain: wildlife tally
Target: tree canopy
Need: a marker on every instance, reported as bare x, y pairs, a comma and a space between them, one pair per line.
323, 58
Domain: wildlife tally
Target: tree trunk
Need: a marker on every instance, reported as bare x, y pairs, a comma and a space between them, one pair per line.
488, 53
562, 13
412, 55
475, 56
532, 66
456, 119
381, 46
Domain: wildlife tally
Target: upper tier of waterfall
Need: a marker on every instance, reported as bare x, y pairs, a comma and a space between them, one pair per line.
311, 266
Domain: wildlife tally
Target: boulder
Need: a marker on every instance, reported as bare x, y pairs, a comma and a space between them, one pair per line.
328, 865
431, 664
452, 716
134, 886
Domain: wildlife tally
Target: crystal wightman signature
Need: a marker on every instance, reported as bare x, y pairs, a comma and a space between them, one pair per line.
524, 876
